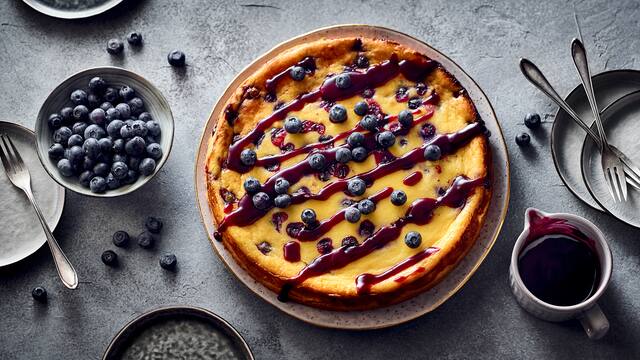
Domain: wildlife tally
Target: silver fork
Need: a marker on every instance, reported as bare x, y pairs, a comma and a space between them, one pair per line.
611, 163
18, 173
537, 78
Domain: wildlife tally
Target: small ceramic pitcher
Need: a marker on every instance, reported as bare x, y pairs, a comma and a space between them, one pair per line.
588, 312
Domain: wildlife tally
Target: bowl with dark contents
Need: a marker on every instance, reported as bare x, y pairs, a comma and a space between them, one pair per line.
72, 9
104, 132
178, 332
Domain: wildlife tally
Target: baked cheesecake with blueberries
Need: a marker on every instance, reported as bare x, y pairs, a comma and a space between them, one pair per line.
349, 174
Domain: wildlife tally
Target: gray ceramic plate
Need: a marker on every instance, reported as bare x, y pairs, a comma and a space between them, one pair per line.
20, 231
428, 300
621, 122
178, 332
567, 137
72, 9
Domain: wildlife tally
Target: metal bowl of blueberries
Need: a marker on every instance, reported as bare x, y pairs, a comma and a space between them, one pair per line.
104, 132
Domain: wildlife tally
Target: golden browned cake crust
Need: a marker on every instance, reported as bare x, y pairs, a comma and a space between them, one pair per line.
357, 254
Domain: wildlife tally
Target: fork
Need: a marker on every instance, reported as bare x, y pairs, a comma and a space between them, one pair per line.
19, 176
537, 78
611, 163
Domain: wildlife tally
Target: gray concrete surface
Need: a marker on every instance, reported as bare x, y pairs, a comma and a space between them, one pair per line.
485, 37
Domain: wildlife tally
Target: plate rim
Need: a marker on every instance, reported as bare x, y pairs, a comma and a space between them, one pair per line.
419, 313
71, 15
582, 160
59, 206
553, 131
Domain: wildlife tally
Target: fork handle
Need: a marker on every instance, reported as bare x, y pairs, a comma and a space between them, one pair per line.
65, 270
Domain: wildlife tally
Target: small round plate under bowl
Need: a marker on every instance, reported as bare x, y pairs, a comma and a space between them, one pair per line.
621, 121
20, 231
567, 137
426, 301
178, 332
72, 9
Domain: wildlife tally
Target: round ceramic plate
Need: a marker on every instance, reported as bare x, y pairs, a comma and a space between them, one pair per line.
426, 301
567, 137
620, 121
178, 332
20, 231
72, 9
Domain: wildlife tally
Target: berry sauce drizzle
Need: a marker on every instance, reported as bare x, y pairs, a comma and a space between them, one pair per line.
412, 178
308, 64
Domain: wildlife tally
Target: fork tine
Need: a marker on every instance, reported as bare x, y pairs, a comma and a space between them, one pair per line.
607, 178
16, 153
615, 183
622, 181
3, 156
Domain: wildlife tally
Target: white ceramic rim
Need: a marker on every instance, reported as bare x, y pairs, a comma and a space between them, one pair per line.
269, 296
606, 268
71, 14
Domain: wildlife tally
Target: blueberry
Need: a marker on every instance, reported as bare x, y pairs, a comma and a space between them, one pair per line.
366, 206
398, 197
134, 163
112, 182
147, 166
386, 139
355, 139
145, 240
281, 186
153, 224
369, 122
94, 131
124, 110
134, 39
55, 121
153, 127
282, 201
132, 176
80, 113
79, 97
248, 157
154, 151
118, 146
97, 116
356, 186
176, 58
120, 238
361, 108
324, 246
414, 103
111, 95
261, 200
79, 128
85, 178
317, 161
139, 128
56, 151
112, 114
359, 154
145, 116
252, 185
343, 81
168, 261
101, 169
349, 241
98, 184
308, 216
65, 167
293, 125
119, 170
297, 73
106, 144
87, 164
115, 46
352, 214
67, 113
106, 106
136, 105
93, 100
39, 293
113, 129
135, 146
432, 152
523, 139
126, 131
532, 121
362, 61
75, 140
91, 148
405, 118
338, 113
75, 154
413, 239
97, 85
62, 135
343, 155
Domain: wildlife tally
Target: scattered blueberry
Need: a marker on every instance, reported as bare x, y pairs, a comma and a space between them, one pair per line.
135, 146
147, 166
359, 154
297, 73
124, 110
386, 139
317, 161
120, 238
62, 135
338, 113
98, 184
361, 108
355, 139
282, 201
356, 186
39, 293
532, 121
168, 261
176, 58
366, 206
134, 39
248, 157
55, 121
80, 112
56, 151
101, 169
432, 152
94, 131
153, 224
109, 258
352, 214
75, 140
308, 216
78, 97
362, 61
115, 46
97, 85
398, 197
97, 116
293, 125
343, 81
281, 186
343, 155
413, 239
369, 122
251, 185
405, 118
261, 201
523, 139
145, 240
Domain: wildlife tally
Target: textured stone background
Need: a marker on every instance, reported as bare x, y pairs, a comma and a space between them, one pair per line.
485, 37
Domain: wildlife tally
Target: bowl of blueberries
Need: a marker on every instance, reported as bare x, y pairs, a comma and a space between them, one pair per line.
104, 132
